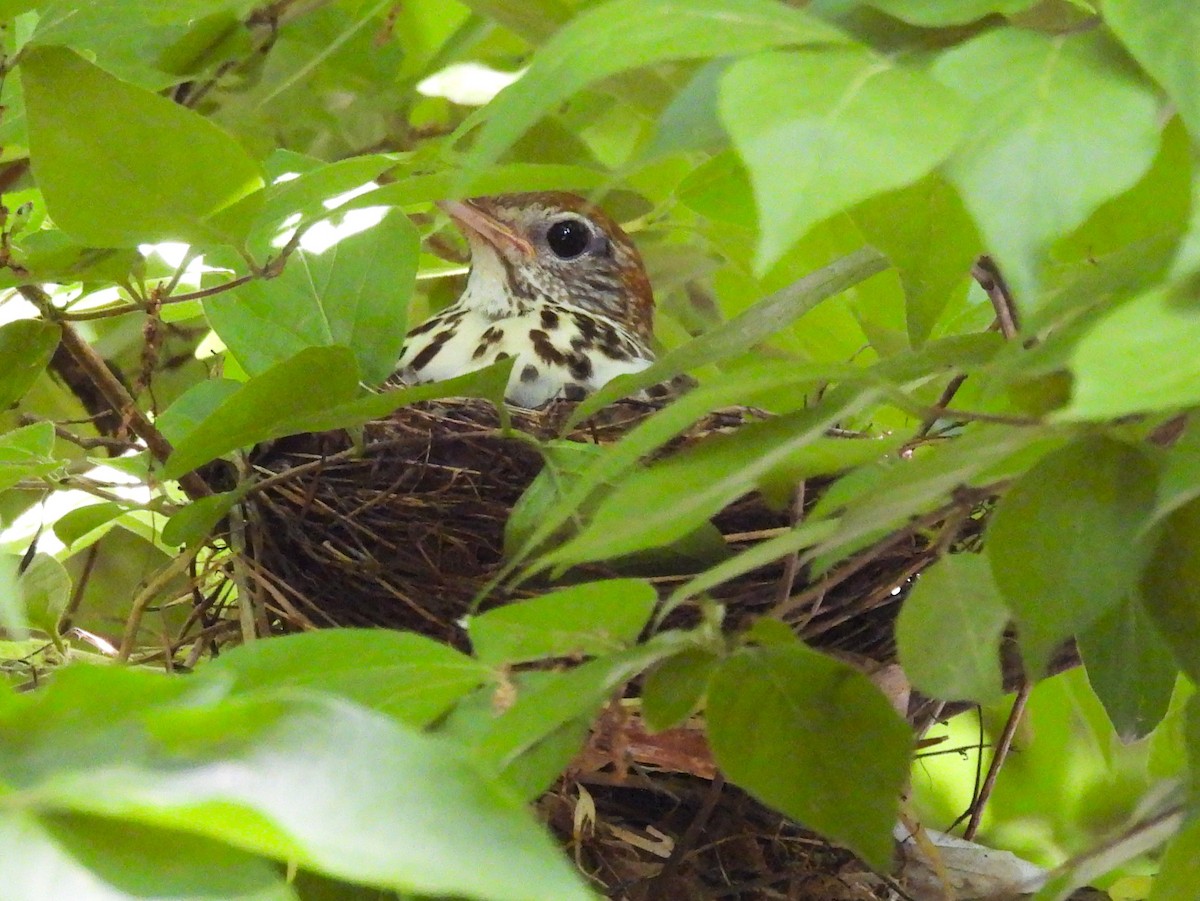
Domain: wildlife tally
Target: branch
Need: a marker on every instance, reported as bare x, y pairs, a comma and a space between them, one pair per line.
113, 391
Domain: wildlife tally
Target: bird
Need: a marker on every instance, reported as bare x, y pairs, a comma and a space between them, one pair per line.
554, 283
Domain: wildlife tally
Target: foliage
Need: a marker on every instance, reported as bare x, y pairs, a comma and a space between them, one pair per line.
773, 160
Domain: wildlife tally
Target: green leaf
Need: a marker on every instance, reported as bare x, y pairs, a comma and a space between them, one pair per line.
937, 13
45, 591
82, 521
1162, 35
1109, 361
407, 676
26, 452
57, 855
311, 382
1179, 481
305, 778
195, 521
1057, 117
354, 294
515, 742
1064, 542
674, 688
590, 619
744, 331
828, 748
931, 241
1130, 668
129, 38
13, 620
816, 149
660, 504
1171, 586
628, 34
121, 166
194, 406
956, 596
1179, 867
26, 347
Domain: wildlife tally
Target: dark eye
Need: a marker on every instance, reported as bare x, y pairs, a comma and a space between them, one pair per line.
568, 238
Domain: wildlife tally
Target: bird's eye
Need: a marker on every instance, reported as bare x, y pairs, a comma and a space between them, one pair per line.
568, 238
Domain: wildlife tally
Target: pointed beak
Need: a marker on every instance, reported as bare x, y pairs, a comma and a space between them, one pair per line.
474, 221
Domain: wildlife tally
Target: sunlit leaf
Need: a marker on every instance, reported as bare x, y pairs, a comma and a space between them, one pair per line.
120, 165
627, 34
405, 675
1055, 118
1162, 35
850, 125
589, 619
306, 778
354, 294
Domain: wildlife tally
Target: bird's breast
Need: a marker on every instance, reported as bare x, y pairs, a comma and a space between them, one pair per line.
559, 351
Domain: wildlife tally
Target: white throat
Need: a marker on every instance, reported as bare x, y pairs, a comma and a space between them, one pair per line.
485, 285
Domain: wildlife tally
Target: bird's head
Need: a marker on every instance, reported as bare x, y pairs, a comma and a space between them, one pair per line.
553, 246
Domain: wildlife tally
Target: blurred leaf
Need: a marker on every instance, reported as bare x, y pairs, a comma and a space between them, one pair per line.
26, 347
26, 453
1109, 361
13, 620
354, 295
307, 778
628, 34
1064, 541
119, 165
1162, 35
75, 524
692, 121
1129, 667
313, 381
931, 241
534, 20
662, 503
1171, 586
674, 688
590, 619
1179, 481
195, 521
126, 37
1057, 117
1179, 867
64, 855
744, 331
948, 12
45, 591
828, 748
956, 596
405, 675
813, 150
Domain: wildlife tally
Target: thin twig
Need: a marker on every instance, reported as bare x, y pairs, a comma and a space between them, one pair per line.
126, 309
987, 273
791, 566
137, 609
1002, 749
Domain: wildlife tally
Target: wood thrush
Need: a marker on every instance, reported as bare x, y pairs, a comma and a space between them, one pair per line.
555, 283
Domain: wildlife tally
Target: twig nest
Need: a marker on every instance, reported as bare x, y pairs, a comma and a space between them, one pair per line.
406, 528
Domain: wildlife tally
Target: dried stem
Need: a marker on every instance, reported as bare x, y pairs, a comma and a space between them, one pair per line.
998, 758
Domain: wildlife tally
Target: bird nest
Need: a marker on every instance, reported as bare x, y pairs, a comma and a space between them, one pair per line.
404, 528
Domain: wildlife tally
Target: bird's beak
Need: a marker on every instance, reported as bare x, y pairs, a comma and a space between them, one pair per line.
474, 221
